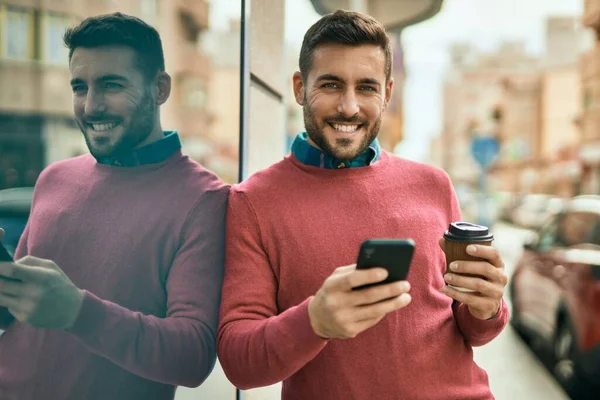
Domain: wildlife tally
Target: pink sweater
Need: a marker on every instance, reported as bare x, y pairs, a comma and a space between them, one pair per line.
288, 228
146, 243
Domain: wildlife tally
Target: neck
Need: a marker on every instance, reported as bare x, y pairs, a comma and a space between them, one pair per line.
156, 135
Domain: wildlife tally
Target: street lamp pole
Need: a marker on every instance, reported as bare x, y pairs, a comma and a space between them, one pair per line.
484, 150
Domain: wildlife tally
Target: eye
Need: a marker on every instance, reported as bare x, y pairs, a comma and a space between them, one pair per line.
79, 88
112, 85
368, 88
330, 85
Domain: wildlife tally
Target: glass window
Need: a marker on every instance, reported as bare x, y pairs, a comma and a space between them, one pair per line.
55, 51
547, 236
36, 110
17, 34
579, 228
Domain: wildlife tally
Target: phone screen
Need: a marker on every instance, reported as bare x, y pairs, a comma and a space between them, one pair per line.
395, 255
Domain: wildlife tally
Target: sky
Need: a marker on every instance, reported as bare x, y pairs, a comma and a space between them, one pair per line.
483, 23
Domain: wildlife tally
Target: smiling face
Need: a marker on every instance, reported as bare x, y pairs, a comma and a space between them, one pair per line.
344, 97
115, 106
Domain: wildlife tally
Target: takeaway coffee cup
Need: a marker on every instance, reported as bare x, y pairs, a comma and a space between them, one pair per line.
458, 236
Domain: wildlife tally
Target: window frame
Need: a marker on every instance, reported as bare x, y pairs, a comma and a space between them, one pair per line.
44, 36
5, 9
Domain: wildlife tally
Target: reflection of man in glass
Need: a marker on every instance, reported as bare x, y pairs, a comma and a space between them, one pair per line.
114, 294
289, 312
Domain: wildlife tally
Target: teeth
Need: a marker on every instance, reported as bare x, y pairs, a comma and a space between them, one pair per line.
103, 127
345, 128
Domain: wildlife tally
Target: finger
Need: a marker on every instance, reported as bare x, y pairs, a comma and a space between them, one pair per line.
481, 268
1, 234
470, 299
20, 272
32, 261
381, 309
479, 285
356, 278
361, 326
11, 287
10, 302
345, 270
489, 253
378, 293
442, 243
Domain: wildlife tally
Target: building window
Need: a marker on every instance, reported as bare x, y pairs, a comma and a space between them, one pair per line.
190, 29
55, 52
17, 33
196, 96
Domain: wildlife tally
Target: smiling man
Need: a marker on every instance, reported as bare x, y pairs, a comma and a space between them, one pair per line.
289, 312
115, 289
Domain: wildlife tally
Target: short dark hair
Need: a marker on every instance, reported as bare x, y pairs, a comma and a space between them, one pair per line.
347, 28
119, 29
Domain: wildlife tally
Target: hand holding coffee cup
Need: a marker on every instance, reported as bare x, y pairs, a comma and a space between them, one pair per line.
475, 271
456, 240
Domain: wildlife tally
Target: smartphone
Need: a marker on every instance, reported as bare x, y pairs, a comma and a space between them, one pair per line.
4, 254
395, 255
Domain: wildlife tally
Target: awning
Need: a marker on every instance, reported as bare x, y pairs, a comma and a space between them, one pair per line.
393, 14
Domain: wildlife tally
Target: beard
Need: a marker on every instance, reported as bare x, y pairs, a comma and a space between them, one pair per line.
342, 148
140, 126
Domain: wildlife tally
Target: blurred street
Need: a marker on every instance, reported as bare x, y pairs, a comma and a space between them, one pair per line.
514, 371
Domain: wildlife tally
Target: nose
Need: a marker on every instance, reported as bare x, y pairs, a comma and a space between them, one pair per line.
94, 103
348, 104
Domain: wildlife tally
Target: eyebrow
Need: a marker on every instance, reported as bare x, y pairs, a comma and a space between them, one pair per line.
104, 78
364, 81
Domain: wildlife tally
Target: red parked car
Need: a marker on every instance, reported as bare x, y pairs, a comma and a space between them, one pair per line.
555, 292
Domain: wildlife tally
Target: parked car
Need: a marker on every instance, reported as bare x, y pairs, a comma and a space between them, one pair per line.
535, 209
507, 208
555, 292
15, 205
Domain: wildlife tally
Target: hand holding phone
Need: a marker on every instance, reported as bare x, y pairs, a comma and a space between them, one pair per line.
339, 311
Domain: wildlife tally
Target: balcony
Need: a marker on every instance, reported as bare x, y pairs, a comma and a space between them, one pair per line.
393, 14
191, 61
196, 10
591, 14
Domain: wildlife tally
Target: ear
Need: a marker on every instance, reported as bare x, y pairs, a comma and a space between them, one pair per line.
389, 87
298, 88
163, 84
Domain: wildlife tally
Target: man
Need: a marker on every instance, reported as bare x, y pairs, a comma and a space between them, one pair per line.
288, 310
115, 291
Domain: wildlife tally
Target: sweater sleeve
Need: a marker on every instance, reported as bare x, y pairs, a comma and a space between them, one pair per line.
476, 332
257, 345
179, 349
479, 332
6, 318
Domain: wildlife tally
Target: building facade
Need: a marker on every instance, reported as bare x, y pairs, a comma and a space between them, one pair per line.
589, 151
474, 98
538, 108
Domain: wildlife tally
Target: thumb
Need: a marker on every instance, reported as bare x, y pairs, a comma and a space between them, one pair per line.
441, 243
1, 234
